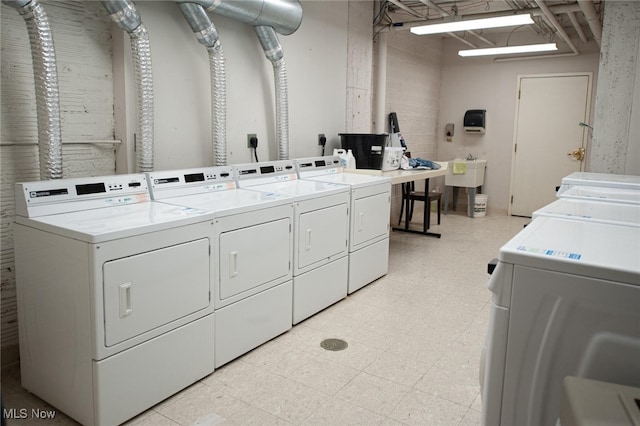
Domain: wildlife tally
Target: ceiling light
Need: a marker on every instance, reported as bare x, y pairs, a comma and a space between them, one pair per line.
527, 48
473, 24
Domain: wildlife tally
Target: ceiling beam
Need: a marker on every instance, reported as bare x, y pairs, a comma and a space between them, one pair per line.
551, 18
444, 13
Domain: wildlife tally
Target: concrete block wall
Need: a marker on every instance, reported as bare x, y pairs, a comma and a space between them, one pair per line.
414, 67
82, 38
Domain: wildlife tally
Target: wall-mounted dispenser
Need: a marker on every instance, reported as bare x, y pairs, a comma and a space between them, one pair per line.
448, 131
475, 121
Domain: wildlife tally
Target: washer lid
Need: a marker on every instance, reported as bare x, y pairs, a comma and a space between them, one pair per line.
602, 179
599, 250
105, 224
602, 193
576, 209
232, 201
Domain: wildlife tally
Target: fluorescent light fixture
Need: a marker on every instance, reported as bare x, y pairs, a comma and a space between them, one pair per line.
473, 24
527, 48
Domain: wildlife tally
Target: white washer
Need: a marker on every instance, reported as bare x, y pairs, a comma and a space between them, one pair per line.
595, 211
565, 303
253, 248
320, 236
113, 289
370, 212
605, 180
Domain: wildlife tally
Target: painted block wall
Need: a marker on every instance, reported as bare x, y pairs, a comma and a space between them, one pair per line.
316, 59
481, 83
413, 92
83, 45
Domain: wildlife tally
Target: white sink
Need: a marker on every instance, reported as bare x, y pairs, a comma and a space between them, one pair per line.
472, 178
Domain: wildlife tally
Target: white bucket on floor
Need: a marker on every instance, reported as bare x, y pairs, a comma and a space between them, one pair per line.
480, 205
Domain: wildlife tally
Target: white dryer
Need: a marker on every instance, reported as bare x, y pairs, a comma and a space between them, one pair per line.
320, 237
565, 303
253, 248
370, 212
589, 210
605, 180
113, 289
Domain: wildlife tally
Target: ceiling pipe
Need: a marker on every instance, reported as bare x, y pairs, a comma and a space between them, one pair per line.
45, 74
576, 25
207, 35
127, 17
551, 18
592, 18
274, 53
444, 13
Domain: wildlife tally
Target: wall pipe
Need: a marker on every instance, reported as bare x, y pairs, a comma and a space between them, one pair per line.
591, 16
127, 17
45, 73
576, 25
207, 35
273, 51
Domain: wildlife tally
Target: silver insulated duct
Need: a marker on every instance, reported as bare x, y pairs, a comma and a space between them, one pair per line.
45, 74
207, 35
273, 51
284, 16
125, 14
267, 18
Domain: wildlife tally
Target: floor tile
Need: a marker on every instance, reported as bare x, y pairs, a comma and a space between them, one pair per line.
373, 393
339, 412
324, 375
418, 408
403, 370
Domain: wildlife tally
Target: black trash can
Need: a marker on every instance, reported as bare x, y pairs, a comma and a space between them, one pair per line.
367, 148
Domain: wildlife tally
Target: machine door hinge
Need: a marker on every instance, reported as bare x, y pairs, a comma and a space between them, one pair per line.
519, 92
512, 199
515, 148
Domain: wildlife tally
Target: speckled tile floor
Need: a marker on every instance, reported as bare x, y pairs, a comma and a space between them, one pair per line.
414, 337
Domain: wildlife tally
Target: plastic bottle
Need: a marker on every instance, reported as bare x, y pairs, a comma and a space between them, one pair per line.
351, 160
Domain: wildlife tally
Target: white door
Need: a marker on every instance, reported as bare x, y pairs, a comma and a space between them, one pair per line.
550, 109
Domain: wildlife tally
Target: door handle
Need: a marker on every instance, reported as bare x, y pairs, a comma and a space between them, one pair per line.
578, 154
125, 300
233, 263
308, 239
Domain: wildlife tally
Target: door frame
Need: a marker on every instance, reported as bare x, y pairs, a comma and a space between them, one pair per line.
585, 131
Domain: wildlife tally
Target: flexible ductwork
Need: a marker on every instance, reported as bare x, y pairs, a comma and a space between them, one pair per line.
125, 14
207, 35
45, 74
273, 51
267, 17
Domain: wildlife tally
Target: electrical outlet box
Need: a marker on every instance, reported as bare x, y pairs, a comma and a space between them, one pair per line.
251, 136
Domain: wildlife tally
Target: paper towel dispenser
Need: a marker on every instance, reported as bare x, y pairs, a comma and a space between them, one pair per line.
475, 121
